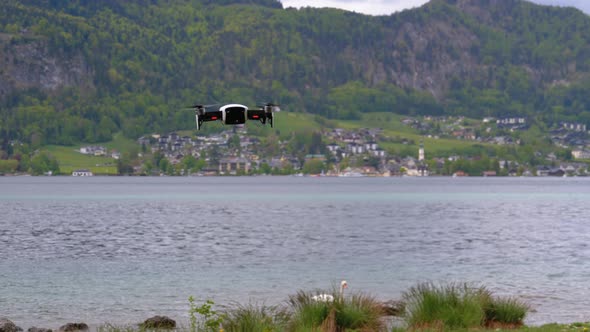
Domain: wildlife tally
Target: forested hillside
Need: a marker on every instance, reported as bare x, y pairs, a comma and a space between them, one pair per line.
83, 70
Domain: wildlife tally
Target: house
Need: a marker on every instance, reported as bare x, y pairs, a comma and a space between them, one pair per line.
557, 172
355, 148
333, 147
516, 123
574, 126
94, 150
581, 154
82, 172
378, 153
234, 165
143, 140
371, 146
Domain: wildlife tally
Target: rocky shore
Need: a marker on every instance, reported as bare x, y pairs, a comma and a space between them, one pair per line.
156, 322
390, 308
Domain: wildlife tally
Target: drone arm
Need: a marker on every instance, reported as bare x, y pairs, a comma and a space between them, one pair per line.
206, 116
257, 114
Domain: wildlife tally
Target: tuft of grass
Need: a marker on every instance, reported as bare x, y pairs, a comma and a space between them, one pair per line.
452, 306
460, 306
357, 312
252, 318
508, 311
307, 313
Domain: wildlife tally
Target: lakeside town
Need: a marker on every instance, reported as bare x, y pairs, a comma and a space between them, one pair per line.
354, 152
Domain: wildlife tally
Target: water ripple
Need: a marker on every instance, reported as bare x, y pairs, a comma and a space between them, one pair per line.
118, 250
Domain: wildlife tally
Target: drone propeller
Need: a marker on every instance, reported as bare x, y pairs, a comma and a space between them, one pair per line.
201, 107
270, 107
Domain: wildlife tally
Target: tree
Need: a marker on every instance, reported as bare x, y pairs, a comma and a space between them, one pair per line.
189, 163
44, 162
124, 166
164, 165
313, 166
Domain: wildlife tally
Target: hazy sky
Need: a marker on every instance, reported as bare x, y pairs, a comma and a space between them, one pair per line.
384, 7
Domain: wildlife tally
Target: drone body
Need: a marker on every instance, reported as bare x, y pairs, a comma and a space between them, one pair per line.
233, 114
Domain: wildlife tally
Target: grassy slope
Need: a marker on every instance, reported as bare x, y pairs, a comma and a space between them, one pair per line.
71, 159
393, 127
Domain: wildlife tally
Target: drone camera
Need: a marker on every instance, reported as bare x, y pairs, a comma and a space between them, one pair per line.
234, 114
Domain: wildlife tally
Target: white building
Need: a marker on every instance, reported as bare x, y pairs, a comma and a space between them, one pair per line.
82, 172
581, 154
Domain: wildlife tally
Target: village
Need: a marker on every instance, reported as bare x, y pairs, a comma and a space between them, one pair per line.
352, 152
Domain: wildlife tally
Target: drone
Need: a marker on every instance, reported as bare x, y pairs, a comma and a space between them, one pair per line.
234, 114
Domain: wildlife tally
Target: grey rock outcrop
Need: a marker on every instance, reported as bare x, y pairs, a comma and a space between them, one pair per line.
159, 322
7, 325
71, 327
393, 308
39, 329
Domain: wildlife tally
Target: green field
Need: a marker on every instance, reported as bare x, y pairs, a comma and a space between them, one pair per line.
70, 158
288, 122
393, 127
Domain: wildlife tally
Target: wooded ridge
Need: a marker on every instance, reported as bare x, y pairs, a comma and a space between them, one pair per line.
83, 70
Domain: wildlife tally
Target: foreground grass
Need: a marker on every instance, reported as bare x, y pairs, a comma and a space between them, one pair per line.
460, 305
574, 327
428, 307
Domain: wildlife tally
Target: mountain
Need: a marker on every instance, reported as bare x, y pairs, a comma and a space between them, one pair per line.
83, 70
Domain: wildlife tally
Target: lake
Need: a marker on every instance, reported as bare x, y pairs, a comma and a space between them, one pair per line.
122, 249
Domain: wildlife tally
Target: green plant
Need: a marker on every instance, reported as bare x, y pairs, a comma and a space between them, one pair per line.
452, 306
505, 311
356, 312
252, 318
210, 320
359, 311
459, 305
307, 312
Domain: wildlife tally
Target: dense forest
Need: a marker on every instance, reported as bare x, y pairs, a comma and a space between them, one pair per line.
73, 71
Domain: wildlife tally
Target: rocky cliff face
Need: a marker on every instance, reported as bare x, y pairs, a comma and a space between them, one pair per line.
427, 54
27, 63
423, 49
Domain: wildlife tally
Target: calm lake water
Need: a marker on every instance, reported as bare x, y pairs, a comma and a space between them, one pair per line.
120, 250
